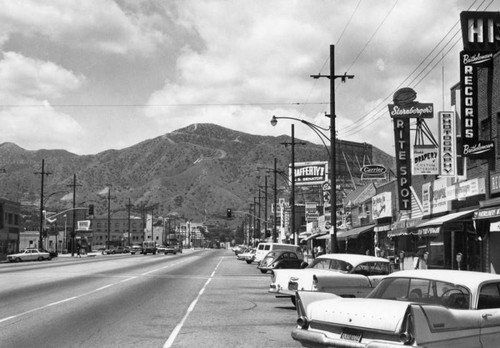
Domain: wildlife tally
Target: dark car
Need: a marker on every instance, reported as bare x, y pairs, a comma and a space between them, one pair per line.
172, 249
281, 259
120, 250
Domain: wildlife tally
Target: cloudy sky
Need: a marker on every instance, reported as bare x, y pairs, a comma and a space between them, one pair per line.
93, 75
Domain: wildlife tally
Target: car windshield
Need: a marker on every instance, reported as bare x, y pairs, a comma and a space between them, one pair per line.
331, 264
423, 291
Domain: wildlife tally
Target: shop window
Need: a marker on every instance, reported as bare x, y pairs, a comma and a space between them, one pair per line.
485, 129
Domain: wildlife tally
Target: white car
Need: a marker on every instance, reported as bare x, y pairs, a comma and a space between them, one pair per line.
30, 254
417, 308
248, 255
348, 275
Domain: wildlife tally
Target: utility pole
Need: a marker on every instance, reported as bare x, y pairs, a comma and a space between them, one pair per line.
275, 236
333, 167
265, 206
109, 216
259, 227
73, 233
293, 143
42, 173
129, 206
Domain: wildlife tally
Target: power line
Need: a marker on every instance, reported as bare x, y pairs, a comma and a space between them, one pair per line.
374, 115
159, 105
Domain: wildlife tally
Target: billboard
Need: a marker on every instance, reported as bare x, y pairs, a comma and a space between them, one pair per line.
425, 160
382, 205
310, 173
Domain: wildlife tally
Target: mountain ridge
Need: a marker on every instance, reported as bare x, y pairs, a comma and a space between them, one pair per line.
197, 172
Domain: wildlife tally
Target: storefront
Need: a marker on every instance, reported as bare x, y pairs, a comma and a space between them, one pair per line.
487, 223
445, 237
356, 240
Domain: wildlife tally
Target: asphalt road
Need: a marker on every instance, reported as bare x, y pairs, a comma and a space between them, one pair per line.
199, 298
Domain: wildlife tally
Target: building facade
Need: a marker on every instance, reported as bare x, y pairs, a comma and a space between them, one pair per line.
10, 227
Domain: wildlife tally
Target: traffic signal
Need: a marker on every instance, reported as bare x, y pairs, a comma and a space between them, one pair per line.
91, 209
229, 213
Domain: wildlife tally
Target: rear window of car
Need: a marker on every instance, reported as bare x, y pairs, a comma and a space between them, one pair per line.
423, 291
489, 296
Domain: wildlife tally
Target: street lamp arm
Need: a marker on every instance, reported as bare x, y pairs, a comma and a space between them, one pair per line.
317, 129
321, 136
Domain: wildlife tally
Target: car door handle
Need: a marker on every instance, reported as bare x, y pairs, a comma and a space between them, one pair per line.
486, 315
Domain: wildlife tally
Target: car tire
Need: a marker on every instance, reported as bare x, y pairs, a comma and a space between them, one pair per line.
249, 262
40, 258
18, 259
263, 270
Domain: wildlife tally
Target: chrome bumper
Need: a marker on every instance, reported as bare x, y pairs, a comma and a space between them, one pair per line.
317, 339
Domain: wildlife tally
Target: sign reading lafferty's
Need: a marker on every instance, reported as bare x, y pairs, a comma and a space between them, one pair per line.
311, 173
481, 38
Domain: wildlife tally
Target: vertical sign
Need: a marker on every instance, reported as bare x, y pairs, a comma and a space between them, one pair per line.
403, 161
447, 143
468, 97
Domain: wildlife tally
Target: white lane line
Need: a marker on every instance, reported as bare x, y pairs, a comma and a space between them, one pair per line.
84, 294
63, 301
173, 335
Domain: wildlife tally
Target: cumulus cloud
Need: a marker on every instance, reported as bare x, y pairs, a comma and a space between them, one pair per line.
96, 24
35, 127
34, 78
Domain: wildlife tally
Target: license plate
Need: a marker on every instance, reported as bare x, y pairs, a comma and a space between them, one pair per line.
351, 336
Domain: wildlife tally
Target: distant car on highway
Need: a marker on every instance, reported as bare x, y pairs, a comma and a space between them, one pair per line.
121, 250
135, 249
169, 249
417, 308
149, 247
281, 259
29, 254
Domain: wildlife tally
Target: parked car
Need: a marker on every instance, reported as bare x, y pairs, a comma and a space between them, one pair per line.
120, 250
248, 255
170, 249
281, 259
30, 254
135, 249
239, 249
418, 308
350, 275
241, 255
265, 247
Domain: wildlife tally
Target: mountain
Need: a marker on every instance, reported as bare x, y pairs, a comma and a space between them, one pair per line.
197, 172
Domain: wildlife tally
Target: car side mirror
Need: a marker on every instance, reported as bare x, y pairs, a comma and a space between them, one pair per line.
304, 264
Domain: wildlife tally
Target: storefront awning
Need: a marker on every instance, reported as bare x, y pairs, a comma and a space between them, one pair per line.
487, 213
314, 236
353, 232
433, 226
